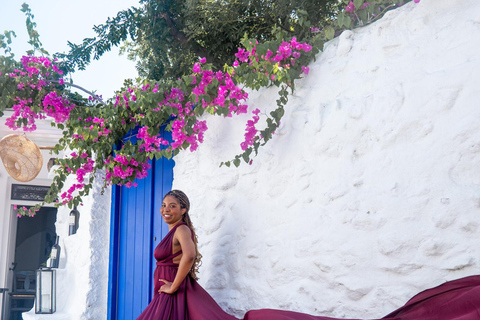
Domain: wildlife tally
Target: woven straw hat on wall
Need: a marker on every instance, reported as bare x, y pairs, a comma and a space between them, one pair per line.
21, 157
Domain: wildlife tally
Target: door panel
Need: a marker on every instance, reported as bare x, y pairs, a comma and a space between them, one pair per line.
163, 183
134, 248
136, 229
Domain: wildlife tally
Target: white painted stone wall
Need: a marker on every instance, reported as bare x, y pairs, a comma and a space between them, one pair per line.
369, 192
82, 276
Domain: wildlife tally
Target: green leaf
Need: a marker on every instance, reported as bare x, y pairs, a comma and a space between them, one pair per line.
281, 112
348, 22
246, 157
236, 162
329, 33
357, 4
363, 16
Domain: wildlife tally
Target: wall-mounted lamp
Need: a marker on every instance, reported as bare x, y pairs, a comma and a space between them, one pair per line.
54, 259
73, 221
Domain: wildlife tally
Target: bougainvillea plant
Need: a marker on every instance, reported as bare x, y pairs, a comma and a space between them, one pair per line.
36, 88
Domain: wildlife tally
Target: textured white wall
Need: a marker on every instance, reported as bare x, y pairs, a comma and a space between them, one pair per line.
370, 191
82, 276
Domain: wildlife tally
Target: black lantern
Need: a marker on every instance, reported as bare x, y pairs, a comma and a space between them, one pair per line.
46, 300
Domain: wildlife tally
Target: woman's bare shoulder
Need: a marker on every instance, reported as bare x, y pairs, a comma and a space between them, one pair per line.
183, 230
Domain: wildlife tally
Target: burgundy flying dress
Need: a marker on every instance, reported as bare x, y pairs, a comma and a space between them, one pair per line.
454, 300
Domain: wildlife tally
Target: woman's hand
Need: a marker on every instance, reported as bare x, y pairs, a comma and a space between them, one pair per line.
167, 287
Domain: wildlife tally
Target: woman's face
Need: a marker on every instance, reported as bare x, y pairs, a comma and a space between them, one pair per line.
171, 210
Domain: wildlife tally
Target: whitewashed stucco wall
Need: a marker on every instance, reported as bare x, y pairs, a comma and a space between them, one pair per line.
82, 276
369, 192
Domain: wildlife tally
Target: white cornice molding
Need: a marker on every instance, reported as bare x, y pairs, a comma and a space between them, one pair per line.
44, 136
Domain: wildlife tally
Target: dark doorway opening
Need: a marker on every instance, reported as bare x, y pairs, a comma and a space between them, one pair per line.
34, 240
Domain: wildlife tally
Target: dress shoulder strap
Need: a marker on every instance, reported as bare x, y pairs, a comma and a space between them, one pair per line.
179, 224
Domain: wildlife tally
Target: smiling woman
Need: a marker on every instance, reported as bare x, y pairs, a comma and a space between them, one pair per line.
175, 209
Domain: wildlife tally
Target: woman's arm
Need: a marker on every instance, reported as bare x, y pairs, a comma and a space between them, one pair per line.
184, 237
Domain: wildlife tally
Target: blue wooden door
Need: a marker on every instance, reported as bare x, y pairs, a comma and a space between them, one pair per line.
136, 229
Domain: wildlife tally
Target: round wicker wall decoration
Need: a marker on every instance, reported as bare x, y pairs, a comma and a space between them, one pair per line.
21, 157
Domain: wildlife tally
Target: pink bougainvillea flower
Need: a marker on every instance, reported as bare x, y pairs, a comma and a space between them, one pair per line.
251, 131
268, 55
294, 43
242, 55
196, 68
366, 4
203, 60
350, 7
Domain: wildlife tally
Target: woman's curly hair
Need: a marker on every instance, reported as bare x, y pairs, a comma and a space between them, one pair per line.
185, 204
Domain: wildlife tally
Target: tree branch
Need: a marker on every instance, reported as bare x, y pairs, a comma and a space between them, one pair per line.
182, 38
93, 95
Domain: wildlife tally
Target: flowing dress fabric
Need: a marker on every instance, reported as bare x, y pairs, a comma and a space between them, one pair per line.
189, 302
454, 300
